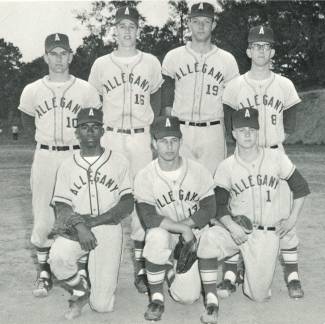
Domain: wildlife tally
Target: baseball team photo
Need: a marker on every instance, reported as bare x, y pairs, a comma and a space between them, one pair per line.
162, 161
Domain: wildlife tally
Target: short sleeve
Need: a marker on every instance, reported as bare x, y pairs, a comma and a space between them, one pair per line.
291, 95
143, 190
26, 103
62, 192
286, 166
232, 68
168, 66
92, 98
94, 77
156, 76
207, 183
125, 181
229, 96
222, 176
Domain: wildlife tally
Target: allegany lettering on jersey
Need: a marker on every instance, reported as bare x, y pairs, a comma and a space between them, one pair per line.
56, 103
264, 100
168, 198
252, 181
188, 69
123, 78
104, 180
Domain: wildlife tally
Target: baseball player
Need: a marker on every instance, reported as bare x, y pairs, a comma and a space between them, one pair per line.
129, 82
195, 76
51, 105
171, 201
247, 183
92, 194
276, 99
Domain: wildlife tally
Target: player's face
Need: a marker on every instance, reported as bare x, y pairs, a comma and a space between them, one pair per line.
168, 148
89, 135
260, 53
58, 60
126, 33
246, 137
201, 28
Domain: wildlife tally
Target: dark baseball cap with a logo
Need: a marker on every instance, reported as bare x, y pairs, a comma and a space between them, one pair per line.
57, 40
260, 34
166, 126
202, 9
246, 117
127, 12
89, 115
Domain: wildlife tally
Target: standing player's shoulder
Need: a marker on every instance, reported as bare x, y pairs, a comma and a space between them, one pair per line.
102, 60
283, 81
175, 52
150, 57
225, 55
117, 157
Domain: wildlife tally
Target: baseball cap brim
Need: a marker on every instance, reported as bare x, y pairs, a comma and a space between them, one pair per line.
164, 133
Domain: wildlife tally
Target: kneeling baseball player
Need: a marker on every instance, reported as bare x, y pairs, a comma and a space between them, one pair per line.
247, 183
92, 195
175, 201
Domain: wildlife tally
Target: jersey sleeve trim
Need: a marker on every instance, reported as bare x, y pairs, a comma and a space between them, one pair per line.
26, 111
61, 199
293, 103
290, 173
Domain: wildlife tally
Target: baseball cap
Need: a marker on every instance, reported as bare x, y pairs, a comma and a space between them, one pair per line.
89, 115
246, 117
127, 12
57, 40
166, 126
260, 34
202, 9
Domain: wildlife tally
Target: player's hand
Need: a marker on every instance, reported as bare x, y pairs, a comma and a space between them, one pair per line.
284, 226
86, 237
187, 234
238, 233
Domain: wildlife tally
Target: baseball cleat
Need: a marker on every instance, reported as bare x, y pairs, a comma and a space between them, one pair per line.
210, 315
76, 304
43, 286
141, 283
294, 289
225, 288
154, 311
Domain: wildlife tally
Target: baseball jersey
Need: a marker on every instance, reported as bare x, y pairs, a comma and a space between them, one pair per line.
199, 81
177, 199
126, 88
92, 189
270, 97
55, 106
254, 187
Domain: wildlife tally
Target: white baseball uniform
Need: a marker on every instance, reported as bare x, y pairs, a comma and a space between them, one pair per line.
270, 97
125, 85
92, 188
254, 192
177, 199
54, 105
199, 84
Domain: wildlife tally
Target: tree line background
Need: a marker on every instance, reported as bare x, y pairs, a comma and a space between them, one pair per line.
299, 28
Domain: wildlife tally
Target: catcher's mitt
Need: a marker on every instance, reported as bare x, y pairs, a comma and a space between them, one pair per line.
244, 222
185, 254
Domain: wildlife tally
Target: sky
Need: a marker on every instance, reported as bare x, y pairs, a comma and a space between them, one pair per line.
27, 23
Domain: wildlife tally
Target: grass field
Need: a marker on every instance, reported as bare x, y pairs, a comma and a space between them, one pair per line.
17, 268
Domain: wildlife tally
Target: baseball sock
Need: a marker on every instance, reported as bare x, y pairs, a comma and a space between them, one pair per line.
156, 278
82, 265
140, 266
209, 273
230, 268
78, 284
290, 260
42, 257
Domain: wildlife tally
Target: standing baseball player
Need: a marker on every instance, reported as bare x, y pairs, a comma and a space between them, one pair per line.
129, 81
174, 196
92, 194
276, 99
51, 105
247, 183
195, 76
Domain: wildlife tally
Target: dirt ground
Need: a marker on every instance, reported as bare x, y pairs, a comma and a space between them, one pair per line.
17, 261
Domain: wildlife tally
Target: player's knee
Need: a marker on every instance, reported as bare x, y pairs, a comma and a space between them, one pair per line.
158, 237
185, 297
209, 246
60, 265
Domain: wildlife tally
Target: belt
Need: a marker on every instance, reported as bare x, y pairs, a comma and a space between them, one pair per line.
274, 146
265, 228
59, 148
125, 131
203, 124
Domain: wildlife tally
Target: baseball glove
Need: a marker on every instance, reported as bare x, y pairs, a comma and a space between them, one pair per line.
244, 222
185, 254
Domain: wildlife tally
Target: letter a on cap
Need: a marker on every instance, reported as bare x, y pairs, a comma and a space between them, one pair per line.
57, 38
261, 30
126, 12
201, 6
167, 123
247, 115
91, 112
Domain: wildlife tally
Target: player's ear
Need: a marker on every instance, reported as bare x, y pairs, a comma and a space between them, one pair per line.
249, 52
46, 59
214, 24
154, 143
234, 134
272, 52
70, 57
